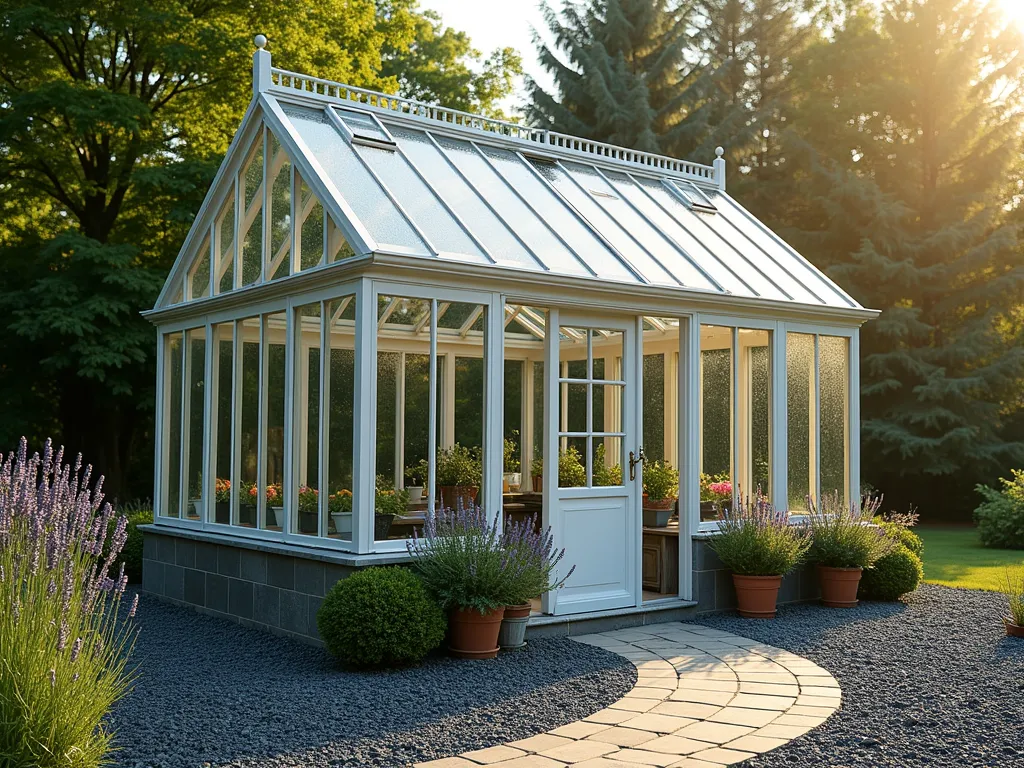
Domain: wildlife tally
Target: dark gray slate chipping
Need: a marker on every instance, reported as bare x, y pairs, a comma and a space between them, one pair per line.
213, 693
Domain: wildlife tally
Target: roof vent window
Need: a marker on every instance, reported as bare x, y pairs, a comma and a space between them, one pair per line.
363, 128
694, 197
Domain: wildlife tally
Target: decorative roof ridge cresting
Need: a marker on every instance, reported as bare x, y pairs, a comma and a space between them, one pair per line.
294, 83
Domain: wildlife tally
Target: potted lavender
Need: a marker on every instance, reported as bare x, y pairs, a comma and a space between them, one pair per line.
758, 544
531, 559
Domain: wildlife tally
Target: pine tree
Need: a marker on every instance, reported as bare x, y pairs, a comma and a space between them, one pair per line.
904, 150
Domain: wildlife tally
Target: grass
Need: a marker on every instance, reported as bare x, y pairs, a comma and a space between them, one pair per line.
954, 557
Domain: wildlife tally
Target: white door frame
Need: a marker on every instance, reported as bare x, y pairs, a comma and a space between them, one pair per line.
556, 500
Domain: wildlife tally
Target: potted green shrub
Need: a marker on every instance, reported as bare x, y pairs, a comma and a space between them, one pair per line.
845, 541
247, 496
416, 480
462, 562
530, 567
388, 504
222, 501
511, 479
459, 471
537, 474
1014, 590
661, 490
758, 544
339, 507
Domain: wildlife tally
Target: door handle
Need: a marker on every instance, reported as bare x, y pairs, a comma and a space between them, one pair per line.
634, 460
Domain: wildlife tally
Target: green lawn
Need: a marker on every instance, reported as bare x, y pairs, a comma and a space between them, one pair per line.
953, 556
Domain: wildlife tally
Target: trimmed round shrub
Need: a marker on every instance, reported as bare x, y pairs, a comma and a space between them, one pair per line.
904, 536
892, 575
380, 617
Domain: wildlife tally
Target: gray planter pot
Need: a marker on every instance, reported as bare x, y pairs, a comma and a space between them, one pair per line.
657, 518
513, 627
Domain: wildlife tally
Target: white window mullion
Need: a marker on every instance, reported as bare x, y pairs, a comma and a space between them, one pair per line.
432, 412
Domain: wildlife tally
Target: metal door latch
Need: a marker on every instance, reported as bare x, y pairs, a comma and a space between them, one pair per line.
634, 460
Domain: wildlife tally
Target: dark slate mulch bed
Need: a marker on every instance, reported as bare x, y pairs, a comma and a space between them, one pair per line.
932, 681
212, 693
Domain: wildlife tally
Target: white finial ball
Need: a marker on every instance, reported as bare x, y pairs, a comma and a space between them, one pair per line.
719, 151
261, 41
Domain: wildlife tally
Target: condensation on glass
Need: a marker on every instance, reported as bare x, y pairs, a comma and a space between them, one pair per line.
800, 393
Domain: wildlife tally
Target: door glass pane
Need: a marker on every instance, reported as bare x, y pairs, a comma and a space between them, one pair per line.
306, 503
607, 351
196, 411
716, 420
800, 407
224, 359
833, 366
249, 416
172, 447
341, 326
607, 461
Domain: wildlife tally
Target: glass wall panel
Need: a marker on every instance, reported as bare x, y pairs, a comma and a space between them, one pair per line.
272, 505
279, 215
248, 417
755, 408
716, 420
224, 280
310, 232
223, 403
174, 377
417, 427
199, 277
800, 410
195, 410
389, 369
512, 457
251, 184
654, 406
306, 518
341, 324
833, 367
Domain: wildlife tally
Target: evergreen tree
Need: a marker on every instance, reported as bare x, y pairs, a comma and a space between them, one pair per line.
904, 149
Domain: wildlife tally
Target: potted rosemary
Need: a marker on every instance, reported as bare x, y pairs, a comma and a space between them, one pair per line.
845, 541
661, 490
758, 544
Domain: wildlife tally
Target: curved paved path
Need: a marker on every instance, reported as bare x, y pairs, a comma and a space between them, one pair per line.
704, 698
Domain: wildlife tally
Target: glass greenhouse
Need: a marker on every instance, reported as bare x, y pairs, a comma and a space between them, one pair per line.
384, 306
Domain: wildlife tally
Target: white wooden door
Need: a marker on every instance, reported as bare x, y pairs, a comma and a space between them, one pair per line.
590, 429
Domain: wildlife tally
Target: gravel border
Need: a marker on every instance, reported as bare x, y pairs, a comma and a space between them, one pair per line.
932, 681
213, 693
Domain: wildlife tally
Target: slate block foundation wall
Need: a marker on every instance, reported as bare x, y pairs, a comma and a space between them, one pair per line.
281, 592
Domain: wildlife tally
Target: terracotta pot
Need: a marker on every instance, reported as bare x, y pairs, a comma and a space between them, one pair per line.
659, 504
472, 635
513, 626
756, 595
839, 586
1013, 630
451, 496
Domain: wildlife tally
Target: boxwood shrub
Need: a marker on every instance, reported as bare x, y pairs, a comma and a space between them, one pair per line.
892, 575
904, 536
380, 617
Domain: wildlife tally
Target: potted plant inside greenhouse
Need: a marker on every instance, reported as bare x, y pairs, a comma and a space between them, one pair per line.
309, 500
845, 541
459, 471
661, 489
275, 505
530, 567
222, 501
537, 474
339, 507
511, 477
195, 504
715, 495
1013, 588
416, 480
758, 544
389, 503
247, 504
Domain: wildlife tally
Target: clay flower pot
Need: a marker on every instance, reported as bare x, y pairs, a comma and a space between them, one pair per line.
839, 586
756, 596
474, 635
456, 496
1013, 630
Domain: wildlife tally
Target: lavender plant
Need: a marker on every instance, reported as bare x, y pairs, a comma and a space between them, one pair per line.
64, 643
461, 559
755, 539
844, 536
530, 561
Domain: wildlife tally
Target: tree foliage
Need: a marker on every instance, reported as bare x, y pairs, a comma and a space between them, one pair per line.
115, 117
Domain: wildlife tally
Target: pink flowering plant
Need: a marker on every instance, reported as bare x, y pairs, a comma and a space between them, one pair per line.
716, 488
64, 638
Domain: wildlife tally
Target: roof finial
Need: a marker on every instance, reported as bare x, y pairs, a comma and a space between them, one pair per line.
261, 79
719, 166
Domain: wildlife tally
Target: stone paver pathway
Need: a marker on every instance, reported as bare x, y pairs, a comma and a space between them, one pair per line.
703, 698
